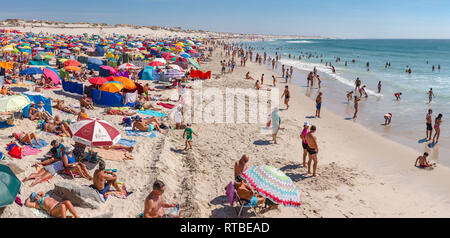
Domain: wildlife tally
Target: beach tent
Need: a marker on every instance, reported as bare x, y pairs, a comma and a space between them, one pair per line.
148, 73
106, 98
36, 98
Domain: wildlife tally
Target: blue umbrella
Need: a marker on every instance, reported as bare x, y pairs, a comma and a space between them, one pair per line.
185, 55
31, 71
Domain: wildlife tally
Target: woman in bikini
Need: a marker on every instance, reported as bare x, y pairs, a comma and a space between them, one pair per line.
53, 208
286, 96
25, 138
61, 106
437, 128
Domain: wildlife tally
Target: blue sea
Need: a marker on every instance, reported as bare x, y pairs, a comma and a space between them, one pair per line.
408, 121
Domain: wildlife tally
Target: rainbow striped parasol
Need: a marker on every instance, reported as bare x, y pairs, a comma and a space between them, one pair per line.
273, 184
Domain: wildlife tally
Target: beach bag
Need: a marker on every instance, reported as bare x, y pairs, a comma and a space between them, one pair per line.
2, 156
15, 151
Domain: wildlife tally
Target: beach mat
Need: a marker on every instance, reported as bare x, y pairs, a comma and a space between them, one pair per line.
153, 113
126, 142
142, 133
4, 124
28, 150
166, 105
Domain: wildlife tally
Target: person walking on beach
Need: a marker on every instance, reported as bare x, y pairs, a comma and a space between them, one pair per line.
276, 122
387, 119
349, 96
358, 84
312, 149
437, 128
319, 81
304, 142
286, 96
274, 81
188, 131
318, 104
379, 86
262, 79
430, 95
282, 70
429, 131
356, 106
154, 204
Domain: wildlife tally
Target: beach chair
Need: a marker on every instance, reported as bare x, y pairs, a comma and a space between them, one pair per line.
233, 197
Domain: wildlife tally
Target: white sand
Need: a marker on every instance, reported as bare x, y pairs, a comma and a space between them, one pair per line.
361, 173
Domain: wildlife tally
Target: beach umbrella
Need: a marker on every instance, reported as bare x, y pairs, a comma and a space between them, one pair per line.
156, 63
127, 66
112, 87
13, 103
273, 184
126, 82
98, 80
111, 69
31, 71
194, 63
53, 75
72, 63
94, 132
73, 68
9, 186
175, 67
172, 73
185, 55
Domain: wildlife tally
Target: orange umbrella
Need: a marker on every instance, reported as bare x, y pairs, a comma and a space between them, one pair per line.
126, 82
72, 63
72, 68
111, 87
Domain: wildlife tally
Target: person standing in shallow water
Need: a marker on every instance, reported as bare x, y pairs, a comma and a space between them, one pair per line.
356, 106
429, 131
379, 86
430, 95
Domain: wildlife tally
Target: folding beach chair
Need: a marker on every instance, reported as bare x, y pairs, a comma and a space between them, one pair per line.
234, 197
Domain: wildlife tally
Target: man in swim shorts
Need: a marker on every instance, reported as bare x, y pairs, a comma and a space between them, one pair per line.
312, 149
318, 104
429, 132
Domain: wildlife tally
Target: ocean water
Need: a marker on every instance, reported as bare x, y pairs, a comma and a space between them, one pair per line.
408, 121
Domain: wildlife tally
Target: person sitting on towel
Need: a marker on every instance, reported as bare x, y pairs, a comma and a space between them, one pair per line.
146, 126
104, 179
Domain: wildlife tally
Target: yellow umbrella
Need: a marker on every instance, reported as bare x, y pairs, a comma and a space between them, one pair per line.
126, 82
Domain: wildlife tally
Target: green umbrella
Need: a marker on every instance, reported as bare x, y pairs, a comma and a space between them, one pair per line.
9, 186
194, 63
14, 103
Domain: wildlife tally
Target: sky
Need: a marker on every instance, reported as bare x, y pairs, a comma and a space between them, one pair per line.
329, 18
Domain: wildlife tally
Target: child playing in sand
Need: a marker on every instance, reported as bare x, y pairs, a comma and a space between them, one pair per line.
188, 131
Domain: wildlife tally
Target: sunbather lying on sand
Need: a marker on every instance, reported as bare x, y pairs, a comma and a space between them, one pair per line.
50, 126
104, 179
86, 102
25, 138
45, 173
120, 112
148, 125
41, 200
154, 206
61, 106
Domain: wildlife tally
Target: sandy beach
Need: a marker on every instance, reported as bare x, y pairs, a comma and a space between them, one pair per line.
361, 174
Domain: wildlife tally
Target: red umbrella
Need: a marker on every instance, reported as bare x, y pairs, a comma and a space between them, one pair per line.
72, 63
95, 132
98, 80
111, 69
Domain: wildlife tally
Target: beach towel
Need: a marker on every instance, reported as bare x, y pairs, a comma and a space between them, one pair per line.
153, 113
41, 142
231, 193
4, 124
56, 87
166, 105
142, 133
28, 150
126, 142
112, 192
116, 155
39, 213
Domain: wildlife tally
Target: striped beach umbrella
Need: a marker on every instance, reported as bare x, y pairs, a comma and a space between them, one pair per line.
95, 132
273, 184
127, 66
